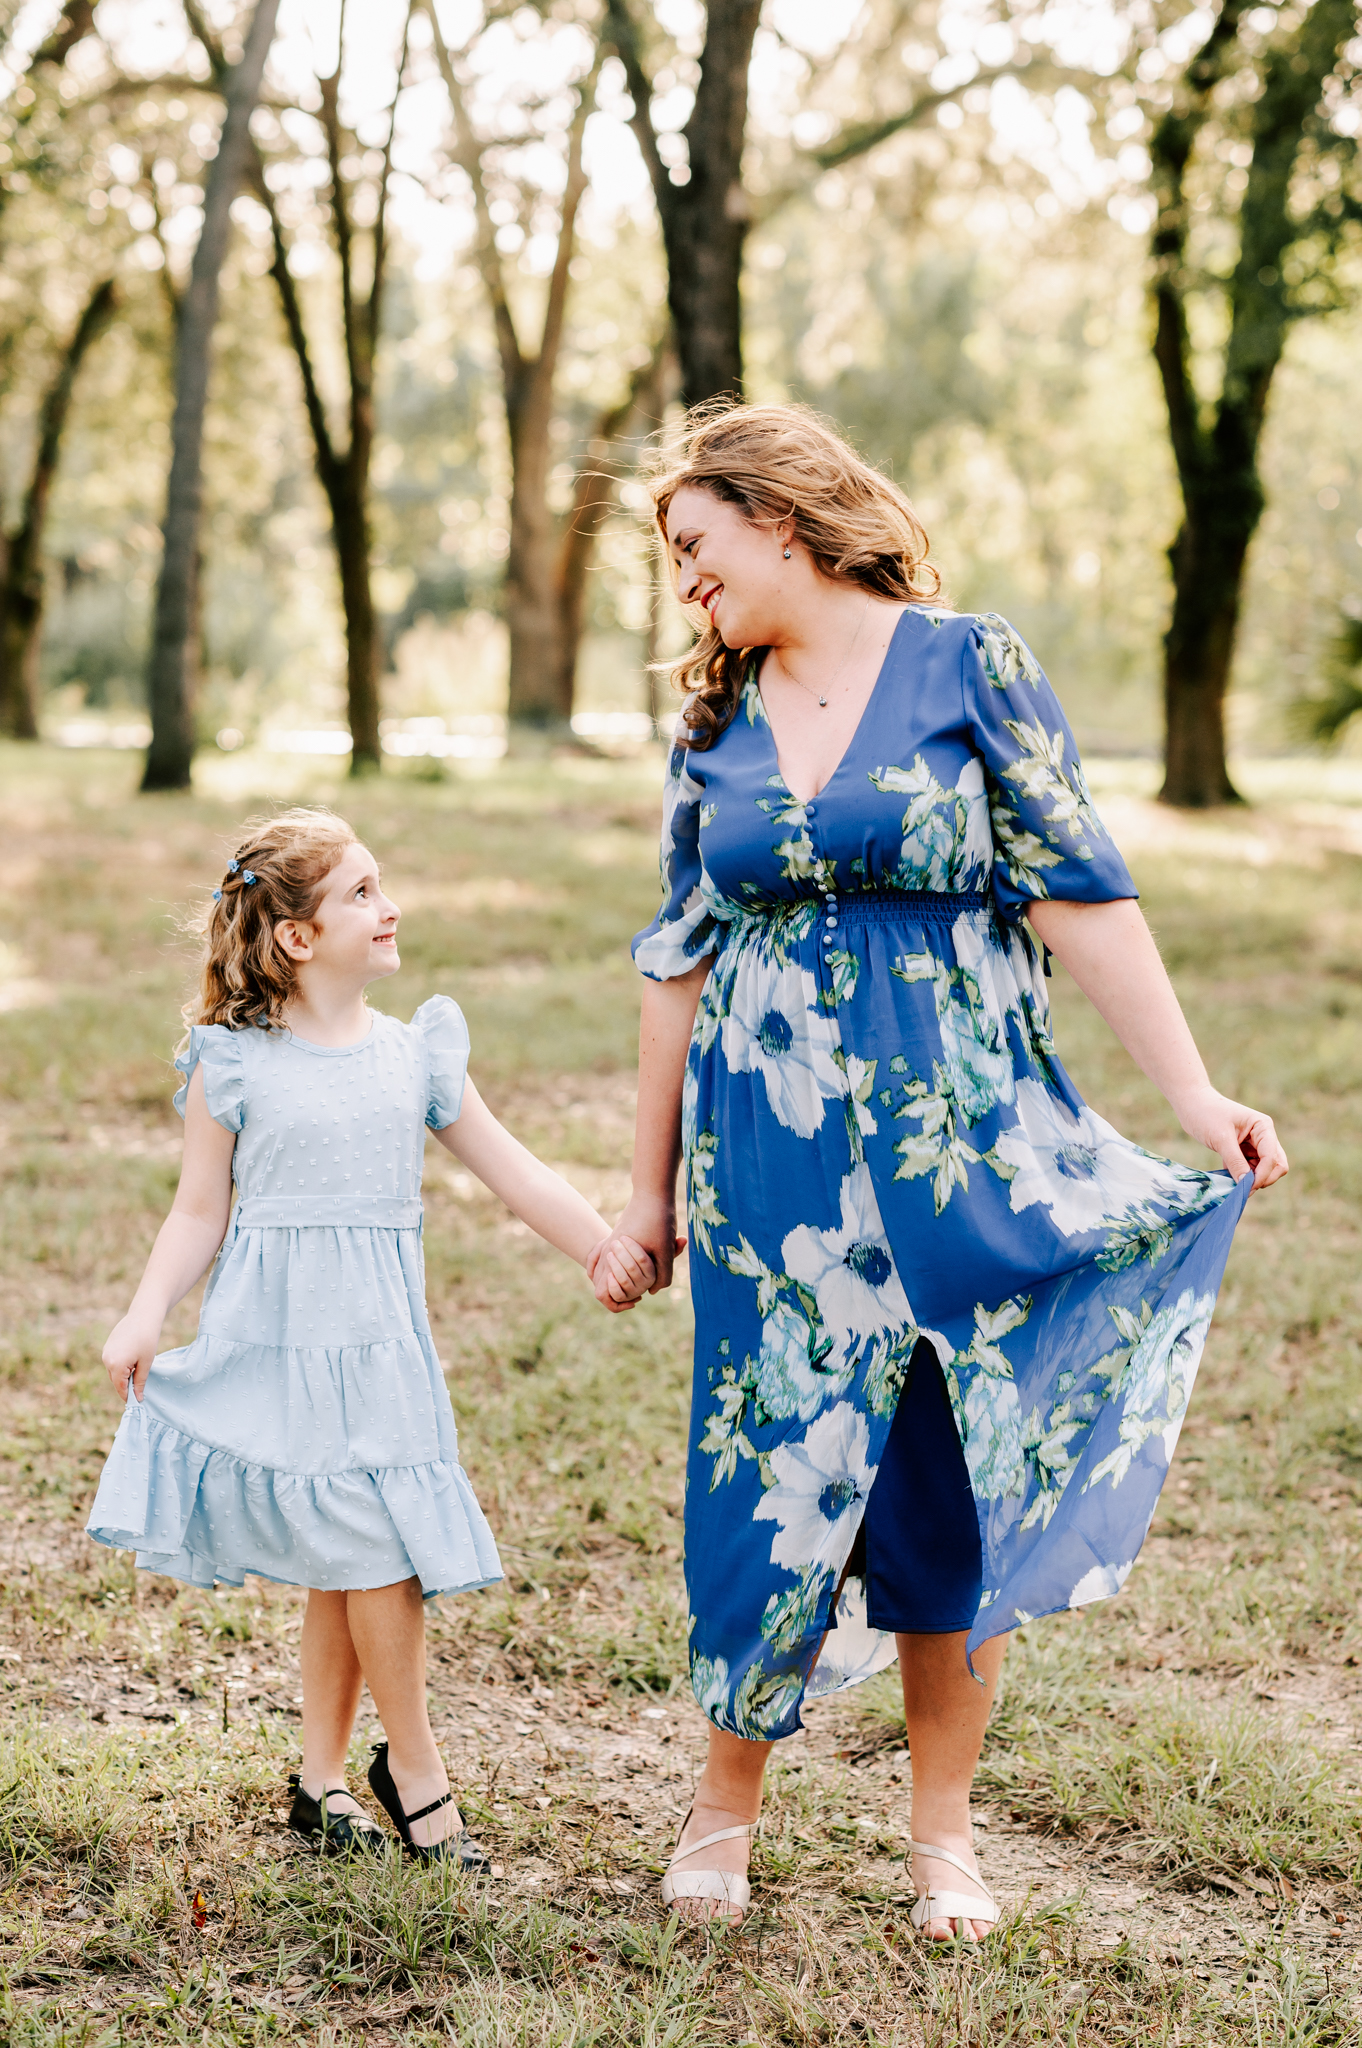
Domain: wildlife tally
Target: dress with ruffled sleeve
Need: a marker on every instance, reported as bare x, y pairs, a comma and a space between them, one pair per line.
306, 1434
882, 1147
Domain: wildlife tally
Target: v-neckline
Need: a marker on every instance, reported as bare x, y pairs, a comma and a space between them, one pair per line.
845, 754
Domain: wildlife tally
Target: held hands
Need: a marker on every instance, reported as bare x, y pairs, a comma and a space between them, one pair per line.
129, 1353
1244, 1138
637, 1258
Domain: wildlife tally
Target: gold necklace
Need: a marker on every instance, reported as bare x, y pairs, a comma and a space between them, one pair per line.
822, 700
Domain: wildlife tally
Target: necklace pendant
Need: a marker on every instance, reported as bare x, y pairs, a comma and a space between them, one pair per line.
824, 702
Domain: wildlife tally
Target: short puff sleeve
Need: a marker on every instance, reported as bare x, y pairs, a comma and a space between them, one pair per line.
445, 1034
218, 1051
685, 930
1048, 840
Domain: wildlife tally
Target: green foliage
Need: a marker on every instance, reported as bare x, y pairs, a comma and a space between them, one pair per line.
1326, 716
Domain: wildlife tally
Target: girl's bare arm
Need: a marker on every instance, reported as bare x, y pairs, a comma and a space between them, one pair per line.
533, 1191
1110, 952
185, 1246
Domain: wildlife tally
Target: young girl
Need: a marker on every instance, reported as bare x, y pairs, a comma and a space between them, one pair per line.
306, 1434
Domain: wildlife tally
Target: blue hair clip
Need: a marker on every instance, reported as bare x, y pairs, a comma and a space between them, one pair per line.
232, 866
247, 877
217, 895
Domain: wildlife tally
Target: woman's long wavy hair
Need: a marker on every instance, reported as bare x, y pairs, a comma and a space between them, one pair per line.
277, 872
778, 462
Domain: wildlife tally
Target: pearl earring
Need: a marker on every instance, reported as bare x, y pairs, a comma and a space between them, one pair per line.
787, 554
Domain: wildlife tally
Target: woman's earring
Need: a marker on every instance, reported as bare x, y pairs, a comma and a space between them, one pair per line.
787, 554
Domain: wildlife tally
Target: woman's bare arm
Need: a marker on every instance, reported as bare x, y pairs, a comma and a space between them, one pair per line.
185, 1246
668, 1017
1110, 952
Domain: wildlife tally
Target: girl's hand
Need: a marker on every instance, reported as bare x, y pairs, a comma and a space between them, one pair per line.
129, 1353
621, 1272
648, 1225
1244, 1138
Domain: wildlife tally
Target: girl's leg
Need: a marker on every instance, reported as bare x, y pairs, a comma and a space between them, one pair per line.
729, 1792
331, 1687
947, 1712
388, 1629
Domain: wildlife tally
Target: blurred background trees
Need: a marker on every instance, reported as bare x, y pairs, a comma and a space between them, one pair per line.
1083, 280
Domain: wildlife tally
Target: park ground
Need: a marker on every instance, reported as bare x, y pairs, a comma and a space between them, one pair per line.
1169, 1799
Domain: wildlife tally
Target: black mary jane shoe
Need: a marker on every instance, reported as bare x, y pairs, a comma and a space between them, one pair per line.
454, 1848
340, 1834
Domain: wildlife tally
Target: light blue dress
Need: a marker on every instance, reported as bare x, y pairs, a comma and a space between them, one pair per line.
306, 1434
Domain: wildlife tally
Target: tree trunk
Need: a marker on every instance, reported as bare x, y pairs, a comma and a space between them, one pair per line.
21, 591
534, 695
350, 528
709, 214
704, 219
1216, 450
170, 667
1207, 560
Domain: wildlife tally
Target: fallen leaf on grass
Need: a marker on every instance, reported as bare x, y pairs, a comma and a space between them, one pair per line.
198, 1910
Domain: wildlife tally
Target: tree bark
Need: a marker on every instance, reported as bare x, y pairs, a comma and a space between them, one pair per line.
1216, 448
705, 218
343, 473
21, 590
533, 687
172, 663
535, 681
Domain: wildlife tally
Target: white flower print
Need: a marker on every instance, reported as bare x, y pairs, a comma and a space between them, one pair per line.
1085, 1173
975, 861
819, 1492
709, 1682
774, 1028
789, 1381
679, 943
851, 1270
1156, 1383
1099, 1583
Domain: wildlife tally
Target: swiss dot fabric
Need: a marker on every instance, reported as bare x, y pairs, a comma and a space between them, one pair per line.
306, 1434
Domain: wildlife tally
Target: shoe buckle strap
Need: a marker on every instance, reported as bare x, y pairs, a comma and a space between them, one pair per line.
434, 1807
946, 1856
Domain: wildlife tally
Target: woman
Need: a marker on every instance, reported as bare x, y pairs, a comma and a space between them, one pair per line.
947, 1319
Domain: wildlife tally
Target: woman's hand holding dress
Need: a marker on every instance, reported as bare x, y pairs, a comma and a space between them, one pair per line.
1110, 952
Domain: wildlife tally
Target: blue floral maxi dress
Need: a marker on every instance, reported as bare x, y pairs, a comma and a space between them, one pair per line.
306, 1434
881, 1146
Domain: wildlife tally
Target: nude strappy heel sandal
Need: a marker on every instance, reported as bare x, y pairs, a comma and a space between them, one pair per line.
932, 1905
727, 1887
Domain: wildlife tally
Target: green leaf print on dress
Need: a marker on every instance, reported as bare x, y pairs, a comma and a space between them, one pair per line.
947, 842
1041, 776
1005, 656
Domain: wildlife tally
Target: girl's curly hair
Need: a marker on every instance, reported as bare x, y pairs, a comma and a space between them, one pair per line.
277, 872
777, 462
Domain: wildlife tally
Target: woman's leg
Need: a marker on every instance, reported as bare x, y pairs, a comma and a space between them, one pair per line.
947, 1712
331, 1687
388, 1629
729, 1793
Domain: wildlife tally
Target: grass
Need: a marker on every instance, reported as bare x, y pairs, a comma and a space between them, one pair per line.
1170, 1785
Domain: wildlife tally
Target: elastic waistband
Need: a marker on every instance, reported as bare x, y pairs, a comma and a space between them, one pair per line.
355, 1212
908, 906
